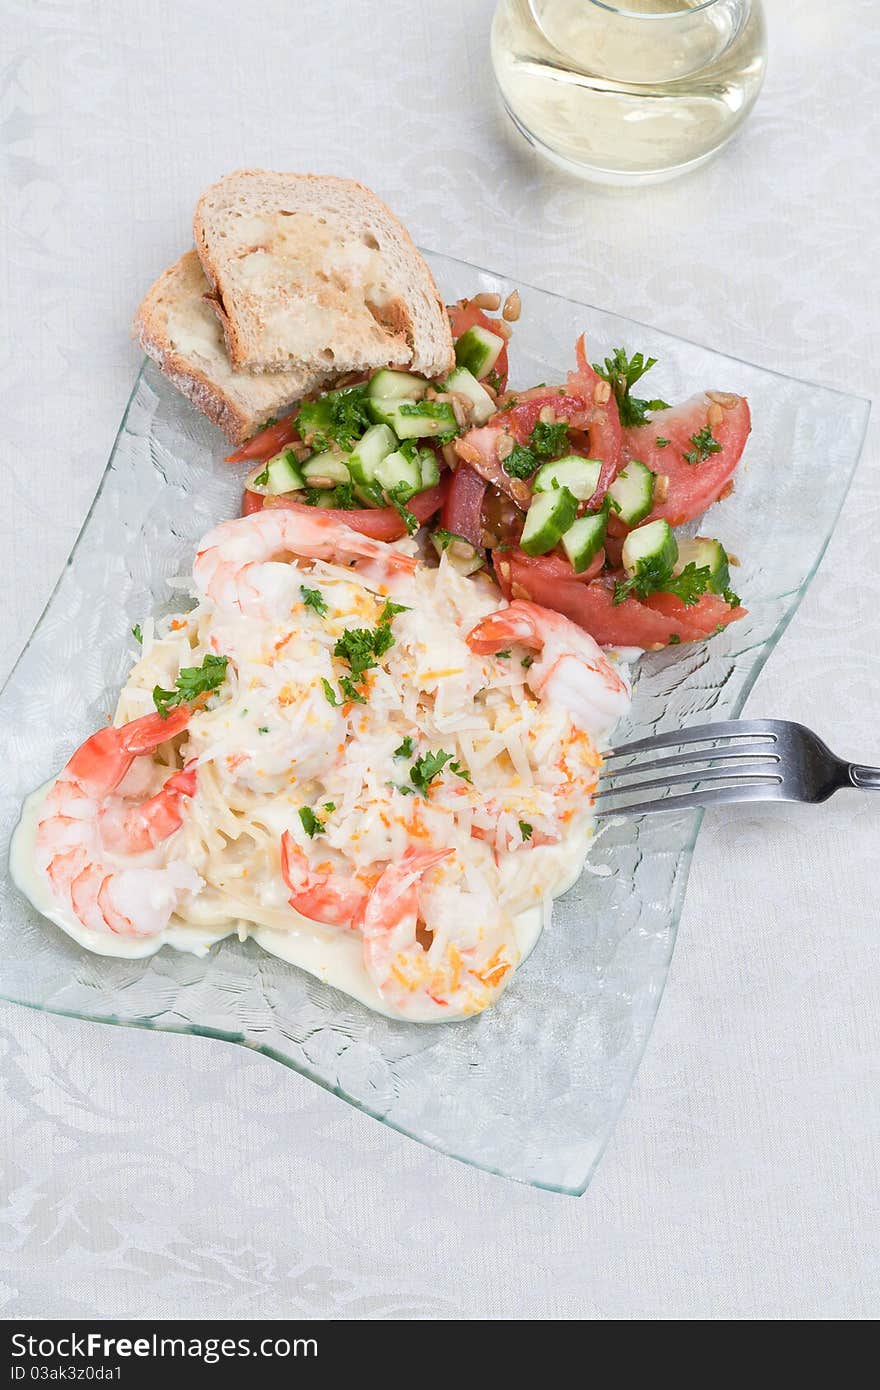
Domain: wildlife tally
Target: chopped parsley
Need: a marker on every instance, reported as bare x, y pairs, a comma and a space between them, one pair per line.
652, 577
494, 380
446, 538
622, 373
390, 610
661, 443
546, 441
329, 807
525, 830
361, 648
526, 662
310, 823
313, 598
351, 692
329, 692
426, 768
405, 749
674, 639
460, 771
137, 634
262, 479
398, 497
503, 654
341, 497
339, 417
263, 729
704, 444
191, 682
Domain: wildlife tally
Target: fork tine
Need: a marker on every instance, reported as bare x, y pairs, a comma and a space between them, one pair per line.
715, 796
756, 773
731, 754
702, 733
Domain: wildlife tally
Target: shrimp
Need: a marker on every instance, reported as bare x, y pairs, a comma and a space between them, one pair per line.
87, 826
233, 566
435, 953
571, 671
322, 897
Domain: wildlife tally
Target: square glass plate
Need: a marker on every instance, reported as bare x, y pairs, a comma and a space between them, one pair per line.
532, 1088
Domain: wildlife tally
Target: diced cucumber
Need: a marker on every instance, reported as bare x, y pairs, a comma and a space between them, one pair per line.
465, 384
709, 554
387, 385
584, 539
322, 497
377, 443
280, 474
463, 556
580, 476
429, 468
633, 491
370, 494
548, 518
416, 419
399, 474
651, 546
318, 417
478, 350
327, 469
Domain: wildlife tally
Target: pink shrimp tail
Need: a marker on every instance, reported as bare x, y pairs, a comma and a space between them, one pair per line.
100, 763
497, 630
320, 897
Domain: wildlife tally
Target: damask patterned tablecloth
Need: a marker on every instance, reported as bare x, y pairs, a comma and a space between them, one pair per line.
146, 1175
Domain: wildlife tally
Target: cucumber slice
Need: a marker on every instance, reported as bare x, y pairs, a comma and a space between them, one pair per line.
377, 443
584, 539
429, 468
401, 474
548, 518
653, 545
580, 476
416, 419
463, 556
387, 385
465, 384
478, 350
327, 469
280, 474
709, 554
633, 491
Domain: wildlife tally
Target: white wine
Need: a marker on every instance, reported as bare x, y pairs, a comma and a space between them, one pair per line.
633, 92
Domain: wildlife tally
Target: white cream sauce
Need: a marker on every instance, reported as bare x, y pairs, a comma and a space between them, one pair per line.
334, 957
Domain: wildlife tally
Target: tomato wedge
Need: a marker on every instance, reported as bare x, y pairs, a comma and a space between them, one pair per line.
379, 523
692, 486
651, 624
468, 315
267, 443
463, 506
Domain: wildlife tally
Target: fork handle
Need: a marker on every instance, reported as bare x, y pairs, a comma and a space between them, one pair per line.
867, 778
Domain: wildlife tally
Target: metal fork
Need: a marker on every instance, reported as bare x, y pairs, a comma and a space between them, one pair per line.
748, 760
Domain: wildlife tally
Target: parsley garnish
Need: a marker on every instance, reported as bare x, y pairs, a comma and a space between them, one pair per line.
525, 830
460, 771
310, 823
661, 443
137, 634
405, 749
350, 690
704, 444
426, 768
494, 380
362, 647
446, 538
329, 806
546, 441
191, 682
651, 577
262, 479
313, 598
674, 639
339, 416
390, 609
526, 662
329, 692
263, 729
503, 654
398, 497
622, 373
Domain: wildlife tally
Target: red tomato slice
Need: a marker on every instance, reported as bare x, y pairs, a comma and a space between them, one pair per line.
650, 625
463, 506
267, 443
380, 523
465, 316
606, 435
692, 486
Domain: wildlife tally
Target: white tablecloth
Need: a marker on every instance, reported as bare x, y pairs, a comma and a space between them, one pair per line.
147, 1175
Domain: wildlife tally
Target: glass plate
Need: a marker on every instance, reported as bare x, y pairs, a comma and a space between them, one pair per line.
532, 1088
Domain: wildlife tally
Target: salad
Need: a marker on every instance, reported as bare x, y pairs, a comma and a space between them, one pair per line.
568, 494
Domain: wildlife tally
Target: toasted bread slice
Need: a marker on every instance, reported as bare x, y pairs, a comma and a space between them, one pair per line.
315, 272
177, 327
